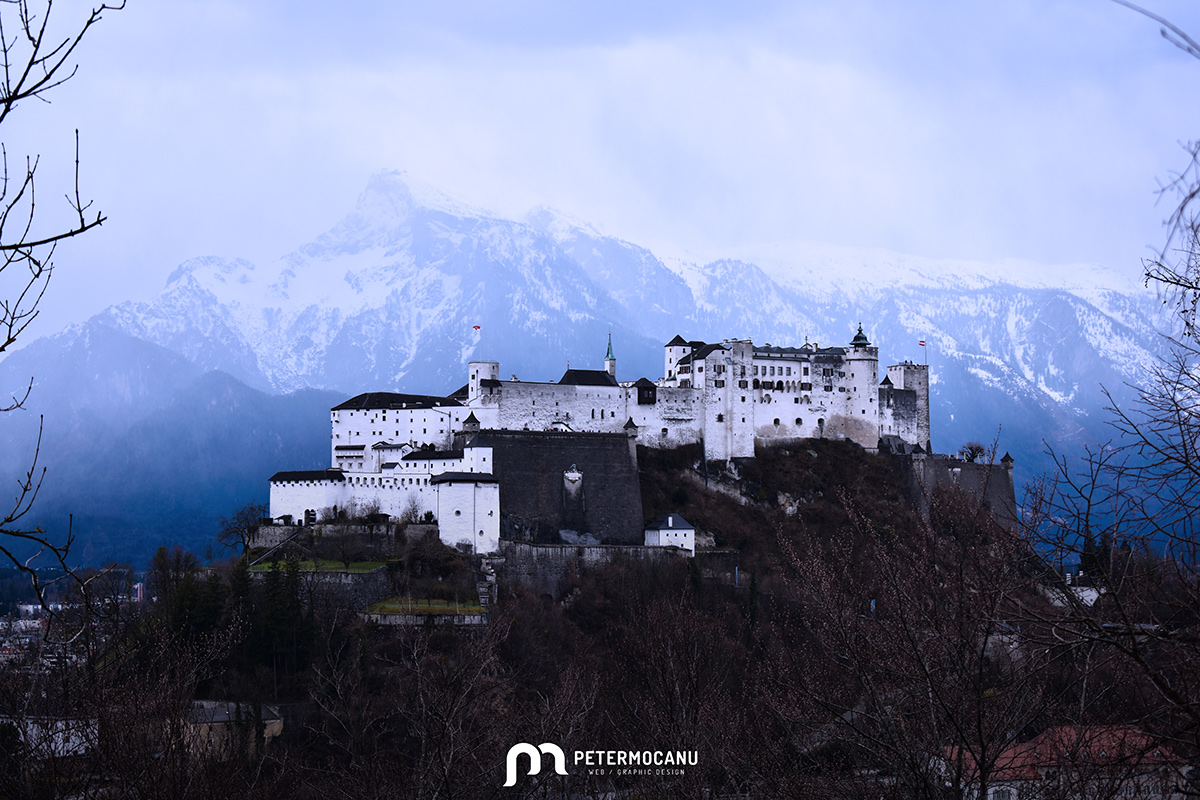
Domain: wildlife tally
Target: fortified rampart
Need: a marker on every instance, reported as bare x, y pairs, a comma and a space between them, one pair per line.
554, 481
543, 566
992, 484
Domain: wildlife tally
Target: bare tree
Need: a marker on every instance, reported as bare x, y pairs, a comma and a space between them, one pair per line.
972, 451
1130, 508
238, 531
36, 58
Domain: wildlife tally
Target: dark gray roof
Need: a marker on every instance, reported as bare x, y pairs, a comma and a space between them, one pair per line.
342, 447
797, 352
479, 440
669, 522
645, 383
489, 383
701, 353
309, 475
381, 400
678, 341
464, 477
430, 455
887, 381
587, 377
471, 419
220, 713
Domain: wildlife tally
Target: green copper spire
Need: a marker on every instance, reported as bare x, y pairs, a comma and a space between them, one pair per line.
860, 338
610, 352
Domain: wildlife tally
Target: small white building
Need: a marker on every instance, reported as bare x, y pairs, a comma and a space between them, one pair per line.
672, 530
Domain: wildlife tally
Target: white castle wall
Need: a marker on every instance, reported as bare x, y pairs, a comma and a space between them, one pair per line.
469, 512
729, 398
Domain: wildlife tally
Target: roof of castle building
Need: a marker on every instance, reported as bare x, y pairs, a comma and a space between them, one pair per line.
860, 339
464, 477
587, 377
479, 440
432, 455
373, 400
678, 341
645, 383
701, 353
309, 475
887, 381
668, 522
768, 351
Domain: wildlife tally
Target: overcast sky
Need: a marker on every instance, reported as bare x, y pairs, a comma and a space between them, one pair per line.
981, 129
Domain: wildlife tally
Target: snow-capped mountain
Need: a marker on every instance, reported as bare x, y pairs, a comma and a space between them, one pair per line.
412, 284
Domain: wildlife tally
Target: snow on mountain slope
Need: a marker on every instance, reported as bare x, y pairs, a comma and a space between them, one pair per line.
390, 297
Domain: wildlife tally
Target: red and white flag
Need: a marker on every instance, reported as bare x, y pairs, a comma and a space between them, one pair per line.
476, 327
922, 343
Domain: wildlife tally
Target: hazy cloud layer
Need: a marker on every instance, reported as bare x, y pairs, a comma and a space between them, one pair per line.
987, 130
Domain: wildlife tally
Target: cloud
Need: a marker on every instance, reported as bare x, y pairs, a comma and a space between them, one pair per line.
986, 131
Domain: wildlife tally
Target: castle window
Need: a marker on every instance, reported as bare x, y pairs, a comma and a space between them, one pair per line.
798, 422
777, 422
664, 431
720, 417
743, 373
796, 399
743, 398
593, 413
789, 370
806, 370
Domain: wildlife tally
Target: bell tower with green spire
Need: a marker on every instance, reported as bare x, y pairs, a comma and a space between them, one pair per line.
610, 361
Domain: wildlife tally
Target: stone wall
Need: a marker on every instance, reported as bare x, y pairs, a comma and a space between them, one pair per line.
383, 534
990, 483
543, 566
346, 589
534, 498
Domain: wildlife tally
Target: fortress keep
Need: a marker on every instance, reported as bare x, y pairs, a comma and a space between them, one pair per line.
398, 453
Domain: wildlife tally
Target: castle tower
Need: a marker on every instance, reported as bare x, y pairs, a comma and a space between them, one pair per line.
675, 349
915, 378
610, 361
480, 371
861, 403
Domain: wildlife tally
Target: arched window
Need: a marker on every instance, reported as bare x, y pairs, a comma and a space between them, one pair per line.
798, 422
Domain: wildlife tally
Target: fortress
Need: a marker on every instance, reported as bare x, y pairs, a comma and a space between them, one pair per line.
398, 453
